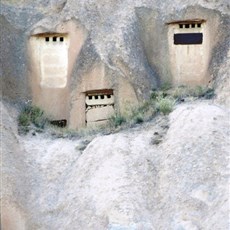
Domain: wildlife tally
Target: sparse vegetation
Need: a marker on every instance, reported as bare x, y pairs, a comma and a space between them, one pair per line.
181, 92
134, 115
117, 120
138, 119
161, 102
165, 105
31, 118
166, 86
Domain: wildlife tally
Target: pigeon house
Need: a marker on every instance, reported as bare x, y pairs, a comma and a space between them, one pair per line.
189, 51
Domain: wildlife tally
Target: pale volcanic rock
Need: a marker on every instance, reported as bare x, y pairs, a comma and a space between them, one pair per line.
125, 180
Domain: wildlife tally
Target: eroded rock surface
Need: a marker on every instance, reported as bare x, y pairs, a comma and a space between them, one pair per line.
129, 37
170, 173
126, 180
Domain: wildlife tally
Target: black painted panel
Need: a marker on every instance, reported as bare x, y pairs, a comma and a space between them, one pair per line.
188, 39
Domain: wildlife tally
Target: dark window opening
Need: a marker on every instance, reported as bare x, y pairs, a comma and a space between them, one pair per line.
181, 26
90, 97
193, 25
61, 39
47, 39
187, 26
108, 96
96, 97
199, 25
54, 39
188, 39
102, 96
59, 123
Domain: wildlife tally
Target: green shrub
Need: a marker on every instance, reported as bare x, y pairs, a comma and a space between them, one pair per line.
23, 119
166, 86
209, 94
182, 92
198, 91
117, 120
31, 117
138, 119
154, 95
203, 91
165, 105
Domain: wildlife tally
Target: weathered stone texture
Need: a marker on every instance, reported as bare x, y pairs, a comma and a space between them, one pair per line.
162, 175
123, 180
130, 38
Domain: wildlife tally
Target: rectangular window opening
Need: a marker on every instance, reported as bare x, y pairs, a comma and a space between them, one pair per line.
199, 25
59, 123
180, 26
186, 26
54, 39
47, 39
61, 39
98, 110
188, 38
193, 25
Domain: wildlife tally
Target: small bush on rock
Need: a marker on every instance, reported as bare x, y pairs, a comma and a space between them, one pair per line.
182, 92
31, 118
165, 105
117, 120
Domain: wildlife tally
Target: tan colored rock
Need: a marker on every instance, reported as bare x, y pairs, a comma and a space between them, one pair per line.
98, 45
51, 65
99, 113
11, 217
189, 62
96, 82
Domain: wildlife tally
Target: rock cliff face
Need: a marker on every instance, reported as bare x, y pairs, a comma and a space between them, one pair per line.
130, 38
167, 174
